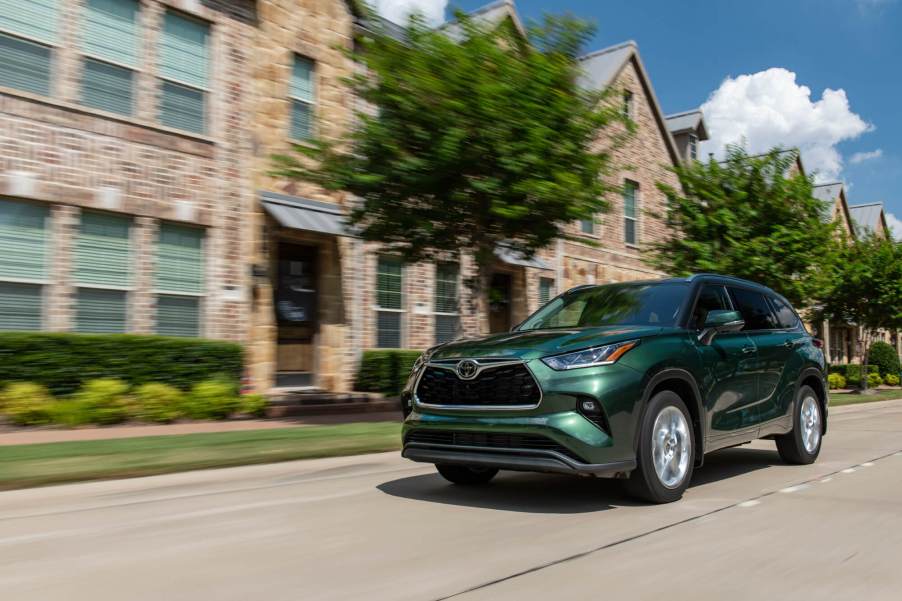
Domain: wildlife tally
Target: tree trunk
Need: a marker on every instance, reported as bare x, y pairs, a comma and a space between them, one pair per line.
866, 347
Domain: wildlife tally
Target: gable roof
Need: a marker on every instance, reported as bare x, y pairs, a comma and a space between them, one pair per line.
795, 152
869, 218
834, 193
688, 121
602, 67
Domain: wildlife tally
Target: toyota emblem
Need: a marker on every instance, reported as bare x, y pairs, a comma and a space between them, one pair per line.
467, 369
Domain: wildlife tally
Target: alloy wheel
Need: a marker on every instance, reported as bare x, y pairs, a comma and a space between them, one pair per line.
671, 447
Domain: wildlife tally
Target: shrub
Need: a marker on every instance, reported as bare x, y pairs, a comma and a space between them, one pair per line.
212, 399
26, 403
385, 370
892, 379
71, 413
253, 404
836, 381
852, 372
157, 402
63, 362
886, 359
874, 380
100, 401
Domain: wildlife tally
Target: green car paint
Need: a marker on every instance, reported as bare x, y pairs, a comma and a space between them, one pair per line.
737, 385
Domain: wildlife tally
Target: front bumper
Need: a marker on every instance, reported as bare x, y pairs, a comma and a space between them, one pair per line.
523, 460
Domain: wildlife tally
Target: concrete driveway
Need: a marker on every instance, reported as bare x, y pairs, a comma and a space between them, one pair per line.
378, 527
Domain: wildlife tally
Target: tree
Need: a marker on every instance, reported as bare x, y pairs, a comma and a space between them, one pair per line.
753, 218
477, 139
867, 290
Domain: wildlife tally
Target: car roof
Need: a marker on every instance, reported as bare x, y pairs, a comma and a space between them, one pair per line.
695, 277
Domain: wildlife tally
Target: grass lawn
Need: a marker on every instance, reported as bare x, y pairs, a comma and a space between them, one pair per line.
28, 465
851, 398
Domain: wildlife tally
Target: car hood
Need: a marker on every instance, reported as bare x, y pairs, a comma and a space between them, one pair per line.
533, 344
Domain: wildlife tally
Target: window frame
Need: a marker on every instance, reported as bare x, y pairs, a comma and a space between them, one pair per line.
378, 309
201, 297
551, 294
627, 108
693, 147
52, 50
311, 103
698, 296
204, 91
634, 185
435, 312
736, 307
43, 283
134, 70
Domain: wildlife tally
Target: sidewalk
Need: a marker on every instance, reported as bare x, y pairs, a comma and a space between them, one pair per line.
14, 436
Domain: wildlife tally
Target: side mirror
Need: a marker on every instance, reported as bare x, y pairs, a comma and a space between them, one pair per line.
720, 322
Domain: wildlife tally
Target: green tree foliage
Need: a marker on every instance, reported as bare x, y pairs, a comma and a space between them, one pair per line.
867, 288
750, 217
477, 138
885, 357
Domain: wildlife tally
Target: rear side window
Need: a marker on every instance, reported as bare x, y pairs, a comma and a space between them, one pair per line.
754, 308
711, 298
786, 317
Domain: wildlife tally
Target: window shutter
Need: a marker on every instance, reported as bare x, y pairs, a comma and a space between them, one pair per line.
107, 87
301, 120
388, 285
446, 287
183, 50
302, 79
445, 328
182, 108
23, 240
303, 96
24, 65
20, 306
178, 315
110, 31
180, 259
546, 285
102, 311
389, 330
30, 18
102, 253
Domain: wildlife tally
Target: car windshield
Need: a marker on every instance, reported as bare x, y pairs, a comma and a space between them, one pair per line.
612, 305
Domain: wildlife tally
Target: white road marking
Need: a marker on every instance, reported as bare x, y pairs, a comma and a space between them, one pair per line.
796, 488
868, 464
825, 480
751, 503
848, 470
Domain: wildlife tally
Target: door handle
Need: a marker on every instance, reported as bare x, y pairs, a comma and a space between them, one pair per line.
748, 350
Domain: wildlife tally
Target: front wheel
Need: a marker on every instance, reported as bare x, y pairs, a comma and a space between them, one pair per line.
803, 444
666, 450
468, 475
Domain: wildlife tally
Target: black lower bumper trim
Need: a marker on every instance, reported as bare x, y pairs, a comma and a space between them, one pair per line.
523, 460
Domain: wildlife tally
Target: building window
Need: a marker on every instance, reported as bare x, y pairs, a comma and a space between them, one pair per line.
446, 302
28, 34
587, 226
303, 98
630, 212
184, 64
23, 264
389, 302
179, 280
693, 146
102, 273
546, 290
110, 44
627, 108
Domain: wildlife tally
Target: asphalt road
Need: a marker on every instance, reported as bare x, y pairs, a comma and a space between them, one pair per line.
378, 527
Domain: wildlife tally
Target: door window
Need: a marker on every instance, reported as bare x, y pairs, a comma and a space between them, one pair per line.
786, 317
754, 308
711, 298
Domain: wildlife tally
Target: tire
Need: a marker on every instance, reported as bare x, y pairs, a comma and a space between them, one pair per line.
465, 474
802, 445
665, 431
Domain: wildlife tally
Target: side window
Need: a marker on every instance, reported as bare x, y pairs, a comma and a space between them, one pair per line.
786, 317
754, 308
711, 298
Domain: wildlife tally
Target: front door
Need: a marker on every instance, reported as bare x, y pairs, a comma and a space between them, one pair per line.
730, 361
296, 314
500, 303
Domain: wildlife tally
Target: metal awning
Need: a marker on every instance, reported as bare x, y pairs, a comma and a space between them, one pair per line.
305, 214
512, 257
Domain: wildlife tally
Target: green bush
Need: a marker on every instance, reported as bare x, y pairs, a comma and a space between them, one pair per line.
101, 401
852, 372
253, 404
62, 362
212, 399
71, 413
836, 381
891, 379
26, 404
385, 370
156, 402
885, 358
874, 380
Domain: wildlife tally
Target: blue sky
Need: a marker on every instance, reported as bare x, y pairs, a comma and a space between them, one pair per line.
772, 50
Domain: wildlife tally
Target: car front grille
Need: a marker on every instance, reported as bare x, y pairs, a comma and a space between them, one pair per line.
493, 440
503, 386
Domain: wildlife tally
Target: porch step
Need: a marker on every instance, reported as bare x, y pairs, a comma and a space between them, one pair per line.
301, 403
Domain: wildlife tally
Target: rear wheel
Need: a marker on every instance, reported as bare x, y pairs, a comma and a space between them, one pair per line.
466, 474
803, 444
666, 450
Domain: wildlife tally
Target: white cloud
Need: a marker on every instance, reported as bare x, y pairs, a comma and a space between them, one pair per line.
869, 5
895, 224
860, 157
398, 10
769, 108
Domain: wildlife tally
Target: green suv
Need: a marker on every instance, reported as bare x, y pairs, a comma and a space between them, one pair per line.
635, 381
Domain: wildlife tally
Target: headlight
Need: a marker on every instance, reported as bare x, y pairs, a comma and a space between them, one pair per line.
599, 355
